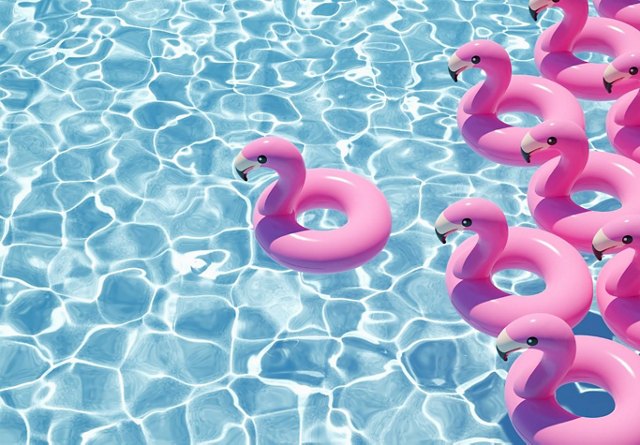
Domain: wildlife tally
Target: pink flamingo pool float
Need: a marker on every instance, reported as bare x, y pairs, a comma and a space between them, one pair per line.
618, 286
554, 357
501, 92
497, 247
627, 11
297, 190
576, 169
556, 47
623, 118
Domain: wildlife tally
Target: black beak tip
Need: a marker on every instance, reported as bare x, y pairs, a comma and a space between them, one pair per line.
525, 155
442, 237
503, 355
242, 174
453, 75
596, 253
607, 86
534, 14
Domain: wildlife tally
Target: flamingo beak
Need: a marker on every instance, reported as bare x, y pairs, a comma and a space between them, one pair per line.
444, 227
608, 86
597, 253
611, 76
601, 243
456, 66
505, 345
535, 6
528, 146
243, 166
453, 75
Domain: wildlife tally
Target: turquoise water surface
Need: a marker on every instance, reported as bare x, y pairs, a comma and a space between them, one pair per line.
135, 304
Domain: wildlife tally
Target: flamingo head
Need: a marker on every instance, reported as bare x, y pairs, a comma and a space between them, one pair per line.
536, 6
468, 214
617, 235
534, 331
549, 133
270, 151
476, 54
623, 67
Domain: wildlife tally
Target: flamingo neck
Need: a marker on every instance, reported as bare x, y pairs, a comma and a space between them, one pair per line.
283, 198
576, 13
625, 279
540, 377
571, 162
489, 244
498, 77
631, 115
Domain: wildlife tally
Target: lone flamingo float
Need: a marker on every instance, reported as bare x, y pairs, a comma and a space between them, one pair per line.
556, 357
298, 190
627, 11
501, 92
623, 118
618, 286
497, 247
576, 169
555, 49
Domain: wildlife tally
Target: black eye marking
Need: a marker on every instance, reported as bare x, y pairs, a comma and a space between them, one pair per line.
262, 159
466, 222
475, 60
633, 70
552, 141
532, 341
627, 239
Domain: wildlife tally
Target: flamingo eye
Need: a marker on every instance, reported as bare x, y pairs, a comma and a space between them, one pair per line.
532, 341
555, 1
627, 239
262, 159
552, 141
633, 70
466, 222
475, 60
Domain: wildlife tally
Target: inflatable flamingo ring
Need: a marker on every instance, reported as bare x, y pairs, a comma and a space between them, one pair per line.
556, 47
554, 357
618, 286
627, 11
623, 118
297, 190
576, 169
501, 92
497, 247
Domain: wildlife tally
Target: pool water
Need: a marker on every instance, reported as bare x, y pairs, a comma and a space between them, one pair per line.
135, 304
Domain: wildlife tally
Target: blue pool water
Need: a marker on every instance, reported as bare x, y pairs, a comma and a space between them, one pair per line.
135, 304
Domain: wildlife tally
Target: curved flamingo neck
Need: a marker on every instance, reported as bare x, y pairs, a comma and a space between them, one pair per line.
489, 244
576, 13
498, 76
541, 375
571, 162
630, 115
283, 198
624, 281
